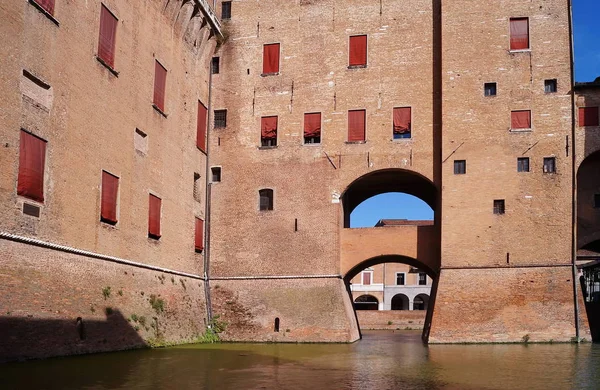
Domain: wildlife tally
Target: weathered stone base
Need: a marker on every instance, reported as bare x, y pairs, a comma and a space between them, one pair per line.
391, 319
309, 310
505, 305
43, 292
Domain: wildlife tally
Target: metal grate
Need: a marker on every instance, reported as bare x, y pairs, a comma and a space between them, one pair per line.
220, 118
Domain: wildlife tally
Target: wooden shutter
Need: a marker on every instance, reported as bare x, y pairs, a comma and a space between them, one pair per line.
521, 119
199, 236
588, 116
519, 33
47, 5
367, 278
201, 127
32, 158
268, 127
110, 191
160, 83
358, 50
312, 125
107, 39
154, 207
402, 120
356, 125
271, 58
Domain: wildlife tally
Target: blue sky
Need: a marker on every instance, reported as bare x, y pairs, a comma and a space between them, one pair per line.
586, 28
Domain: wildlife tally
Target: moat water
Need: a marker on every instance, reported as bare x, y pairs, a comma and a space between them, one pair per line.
381, 360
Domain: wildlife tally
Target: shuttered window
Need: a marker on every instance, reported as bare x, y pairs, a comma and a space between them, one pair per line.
519, 33
271, 58
268, 131
356, 125
110, 192
47, 5
154, 209
160, 84
358, 50
520, 119
107, 38
199, 235
588, 116
402, 122
312, 128
32, 158
201, 127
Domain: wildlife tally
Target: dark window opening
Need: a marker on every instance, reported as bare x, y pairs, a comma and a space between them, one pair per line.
215, 65
418, 303
220, 119
523, 164
549, 165
226, 10
266, 199
216, 174
80, 328
400, 279
550, 86
422, 279
32, 210
597, 201
400, 302
489, 89
312, 128
460, 167
197, 188
366, 302
499, 206
276, 327
268, 131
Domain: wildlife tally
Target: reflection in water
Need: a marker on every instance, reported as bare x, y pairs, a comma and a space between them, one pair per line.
382, 360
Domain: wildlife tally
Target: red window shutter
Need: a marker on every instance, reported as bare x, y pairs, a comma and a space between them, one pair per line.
154, 207
110, 191
367, 278
312, 125
358, 50
160, 83
521, 119
108, 34
268, 127
402, 120
588, 116
519, 33
356, 125
271, 58
199, 239
201, 130
47, 5
32, 158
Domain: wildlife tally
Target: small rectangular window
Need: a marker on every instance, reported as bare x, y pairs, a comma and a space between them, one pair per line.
46, 5
107, 38
32, 163
367, 277
550, 86
154, 210
31, 210
268, 131
597, 201
519, 33
226, 10
356, 125
520, 120
199, 235
523, 164
499, 206
422, 279
201, 127
271, 59
160, 84
312, 128
140, 141
402, 122
110, 194
215, 65
358, 51
400, 278
460, 167
216, 174
220, 119
197, 188
489, 89
549, 165
588, 116
265, 199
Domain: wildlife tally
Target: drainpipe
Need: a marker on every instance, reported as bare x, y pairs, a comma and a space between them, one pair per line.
209, 316
573, 178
